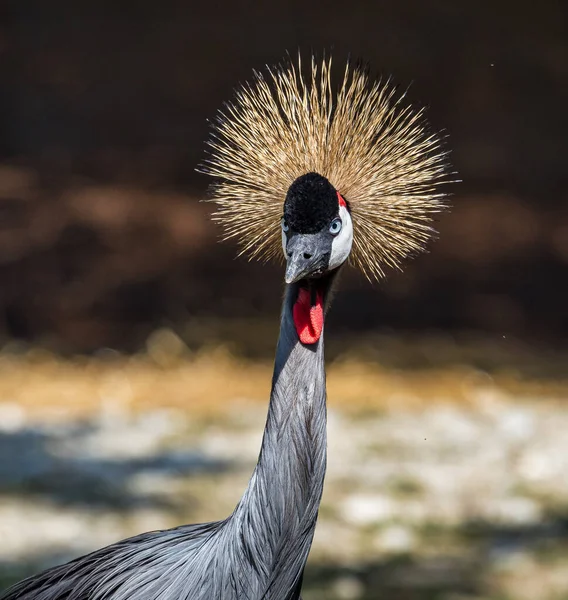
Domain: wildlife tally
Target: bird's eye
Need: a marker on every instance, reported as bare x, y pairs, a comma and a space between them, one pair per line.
335, 226
284, 226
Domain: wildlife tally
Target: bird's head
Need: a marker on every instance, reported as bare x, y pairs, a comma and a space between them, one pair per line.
324, 175
317, 235
317, 232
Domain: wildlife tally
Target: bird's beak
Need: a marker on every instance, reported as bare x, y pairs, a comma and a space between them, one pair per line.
306, 257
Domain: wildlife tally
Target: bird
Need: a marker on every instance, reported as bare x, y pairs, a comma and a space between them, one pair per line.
318, 175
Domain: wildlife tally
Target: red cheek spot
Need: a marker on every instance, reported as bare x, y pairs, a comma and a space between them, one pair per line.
308, 319
341, 200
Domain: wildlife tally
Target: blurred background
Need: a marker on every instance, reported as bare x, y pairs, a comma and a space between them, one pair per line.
136, 350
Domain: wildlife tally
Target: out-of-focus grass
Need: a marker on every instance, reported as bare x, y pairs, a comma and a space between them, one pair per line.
168, 375
423, 500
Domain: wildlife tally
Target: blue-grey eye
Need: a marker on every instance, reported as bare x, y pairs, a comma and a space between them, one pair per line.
284, 226
335, 226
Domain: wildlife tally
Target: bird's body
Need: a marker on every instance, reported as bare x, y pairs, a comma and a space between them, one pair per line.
358, 173
261, 549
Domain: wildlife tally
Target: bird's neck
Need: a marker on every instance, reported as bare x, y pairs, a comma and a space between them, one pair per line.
280, 507
293, 451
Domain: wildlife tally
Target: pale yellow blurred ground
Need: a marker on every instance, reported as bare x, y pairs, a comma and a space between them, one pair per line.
445, 479
49, 387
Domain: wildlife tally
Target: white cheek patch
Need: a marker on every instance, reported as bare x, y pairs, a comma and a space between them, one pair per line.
284, 242
341, 245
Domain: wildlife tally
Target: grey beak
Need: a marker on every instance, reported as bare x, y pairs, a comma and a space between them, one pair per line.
306, 255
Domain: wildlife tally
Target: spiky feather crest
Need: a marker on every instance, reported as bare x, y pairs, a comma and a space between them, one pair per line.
378, 153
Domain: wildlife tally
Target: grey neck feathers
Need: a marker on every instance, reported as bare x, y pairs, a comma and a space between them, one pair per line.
278, 512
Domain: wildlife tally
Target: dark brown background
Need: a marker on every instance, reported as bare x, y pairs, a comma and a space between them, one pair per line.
103, 109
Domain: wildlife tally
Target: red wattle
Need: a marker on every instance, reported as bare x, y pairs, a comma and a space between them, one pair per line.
308, 319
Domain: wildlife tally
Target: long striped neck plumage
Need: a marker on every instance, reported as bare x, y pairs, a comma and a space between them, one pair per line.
278, 512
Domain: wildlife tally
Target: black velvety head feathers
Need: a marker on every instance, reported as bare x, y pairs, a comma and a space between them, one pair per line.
311, 203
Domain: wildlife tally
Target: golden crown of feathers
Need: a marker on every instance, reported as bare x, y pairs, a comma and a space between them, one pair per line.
378, 153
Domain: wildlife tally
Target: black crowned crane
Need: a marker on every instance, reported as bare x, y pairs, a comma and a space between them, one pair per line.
320, 176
